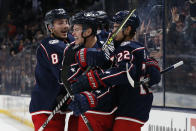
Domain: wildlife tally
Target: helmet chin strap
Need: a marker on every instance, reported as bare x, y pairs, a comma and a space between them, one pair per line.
85, 37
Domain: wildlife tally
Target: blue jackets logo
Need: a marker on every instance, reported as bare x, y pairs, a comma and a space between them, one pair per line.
53, 42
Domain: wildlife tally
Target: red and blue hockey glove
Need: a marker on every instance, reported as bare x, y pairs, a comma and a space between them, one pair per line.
82, 102
153, 71
88, 82
91, 57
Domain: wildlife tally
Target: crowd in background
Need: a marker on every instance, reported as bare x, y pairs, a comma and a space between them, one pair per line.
22, 31
20, 28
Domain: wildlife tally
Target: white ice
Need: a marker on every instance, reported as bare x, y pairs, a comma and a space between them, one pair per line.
9, 124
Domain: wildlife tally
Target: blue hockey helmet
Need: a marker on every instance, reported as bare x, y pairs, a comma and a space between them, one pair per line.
53, 15
133, 21
87, 20
101, 16
103, 19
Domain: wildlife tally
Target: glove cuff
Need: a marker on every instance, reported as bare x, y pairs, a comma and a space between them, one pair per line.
154, 63
81, 57
92, 100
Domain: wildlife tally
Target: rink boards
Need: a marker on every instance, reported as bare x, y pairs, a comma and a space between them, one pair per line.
170, 120
160, 119
16, 107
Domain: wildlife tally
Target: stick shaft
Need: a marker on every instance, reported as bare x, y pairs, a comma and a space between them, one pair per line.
172, 67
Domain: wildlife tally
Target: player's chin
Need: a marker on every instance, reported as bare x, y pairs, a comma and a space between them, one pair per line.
77, 41
63, 35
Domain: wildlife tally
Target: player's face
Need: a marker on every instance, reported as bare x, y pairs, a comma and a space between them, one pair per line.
77, 33
119, 36
60, 28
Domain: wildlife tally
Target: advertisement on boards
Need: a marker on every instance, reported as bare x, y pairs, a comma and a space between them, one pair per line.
163, 120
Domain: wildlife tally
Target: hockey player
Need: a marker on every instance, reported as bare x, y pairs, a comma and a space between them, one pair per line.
49, 54
131, 64
100, 115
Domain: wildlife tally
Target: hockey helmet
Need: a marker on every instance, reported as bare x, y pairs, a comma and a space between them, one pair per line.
101, 16
133, 21
103, 19
53, 15
86, 19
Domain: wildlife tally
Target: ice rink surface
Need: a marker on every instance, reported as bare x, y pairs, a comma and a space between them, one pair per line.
9, 124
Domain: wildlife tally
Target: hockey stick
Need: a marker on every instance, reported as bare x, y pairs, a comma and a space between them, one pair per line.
109, 41
67, 61
57, 108
163, 71
148, 79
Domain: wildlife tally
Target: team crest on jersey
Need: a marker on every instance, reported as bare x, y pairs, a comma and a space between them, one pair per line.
53, 42
124, 43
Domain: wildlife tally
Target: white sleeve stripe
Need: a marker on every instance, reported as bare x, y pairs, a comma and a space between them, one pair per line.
113, 75
141, 48
74, 64
65, 50
104, 93
45, 51
74, 74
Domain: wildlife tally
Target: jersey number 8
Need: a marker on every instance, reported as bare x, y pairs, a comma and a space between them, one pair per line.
54, 58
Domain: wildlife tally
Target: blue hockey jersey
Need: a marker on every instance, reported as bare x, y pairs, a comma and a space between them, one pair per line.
47, 74
133, 103
130, 54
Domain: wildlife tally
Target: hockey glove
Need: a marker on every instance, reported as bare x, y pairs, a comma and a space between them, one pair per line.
91, 57
88, 82
108, 50
153, 71
82, 102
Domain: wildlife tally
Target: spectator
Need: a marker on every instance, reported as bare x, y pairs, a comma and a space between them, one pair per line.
175, 34
21, 46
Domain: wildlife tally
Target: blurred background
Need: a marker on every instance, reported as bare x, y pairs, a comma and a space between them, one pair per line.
168, 30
